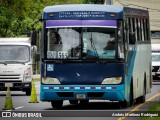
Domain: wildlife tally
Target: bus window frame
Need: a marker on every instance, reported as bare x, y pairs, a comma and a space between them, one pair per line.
45, 42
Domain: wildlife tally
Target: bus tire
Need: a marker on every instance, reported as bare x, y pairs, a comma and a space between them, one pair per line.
131, 94
57, 104
74, 102
142, 98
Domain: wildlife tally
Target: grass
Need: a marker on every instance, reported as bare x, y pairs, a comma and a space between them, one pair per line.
155, 107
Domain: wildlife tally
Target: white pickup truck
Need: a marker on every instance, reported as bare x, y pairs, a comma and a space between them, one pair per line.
16, 64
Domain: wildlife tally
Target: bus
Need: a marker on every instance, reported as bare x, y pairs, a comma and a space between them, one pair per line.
95, 52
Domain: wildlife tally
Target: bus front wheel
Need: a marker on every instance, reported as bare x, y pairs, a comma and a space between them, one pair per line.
131, 101
57, 104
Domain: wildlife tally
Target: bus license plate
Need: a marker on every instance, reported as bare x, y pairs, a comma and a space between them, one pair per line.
80, 96
8, 84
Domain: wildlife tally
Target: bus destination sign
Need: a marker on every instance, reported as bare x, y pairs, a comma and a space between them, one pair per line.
82, 14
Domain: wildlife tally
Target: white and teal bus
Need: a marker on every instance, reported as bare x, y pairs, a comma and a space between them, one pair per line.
95, 52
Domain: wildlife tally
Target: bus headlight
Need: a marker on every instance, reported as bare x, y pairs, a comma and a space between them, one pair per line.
113, 80
48, 80
27, 75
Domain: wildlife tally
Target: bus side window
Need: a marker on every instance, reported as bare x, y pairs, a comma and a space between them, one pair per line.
142, 29
126, 32
147, 29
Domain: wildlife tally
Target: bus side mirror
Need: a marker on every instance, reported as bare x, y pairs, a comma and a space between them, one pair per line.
34, 37
132, 38
37, 57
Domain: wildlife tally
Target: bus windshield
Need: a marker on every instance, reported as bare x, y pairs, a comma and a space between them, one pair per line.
81, 43
14, 53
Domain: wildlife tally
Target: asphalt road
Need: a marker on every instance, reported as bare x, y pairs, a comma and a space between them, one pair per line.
93, 109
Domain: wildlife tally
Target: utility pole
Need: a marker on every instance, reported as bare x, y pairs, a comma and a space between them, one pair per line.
108, 2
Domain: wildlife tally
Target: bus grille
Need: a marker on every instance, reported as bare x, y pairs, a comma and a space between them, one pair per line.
10, 78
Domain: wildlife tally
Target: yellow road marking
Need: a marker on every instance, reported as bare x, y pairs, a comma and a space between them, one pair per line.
134, 109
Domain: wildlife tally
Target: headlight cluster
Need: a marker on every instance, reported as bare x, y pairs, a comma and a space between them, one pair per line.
47, 80
27, 75
113, 80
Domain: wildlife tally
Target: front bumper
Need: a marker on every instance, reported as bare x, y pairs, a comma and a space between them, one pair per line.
69, 92
17, 86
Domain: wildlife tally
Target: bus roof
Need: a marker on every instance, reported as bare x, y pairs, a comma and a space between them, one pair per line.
84, 7
90, 11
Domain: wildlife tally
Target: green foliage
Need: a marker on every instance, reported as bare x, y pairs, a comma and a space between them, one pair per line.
94, 1
18, 16
155, 108
12, 14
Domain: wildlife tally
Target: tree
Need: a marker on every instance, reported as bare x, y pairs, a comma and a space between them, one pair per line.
94, 1
12, 11
17, 16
